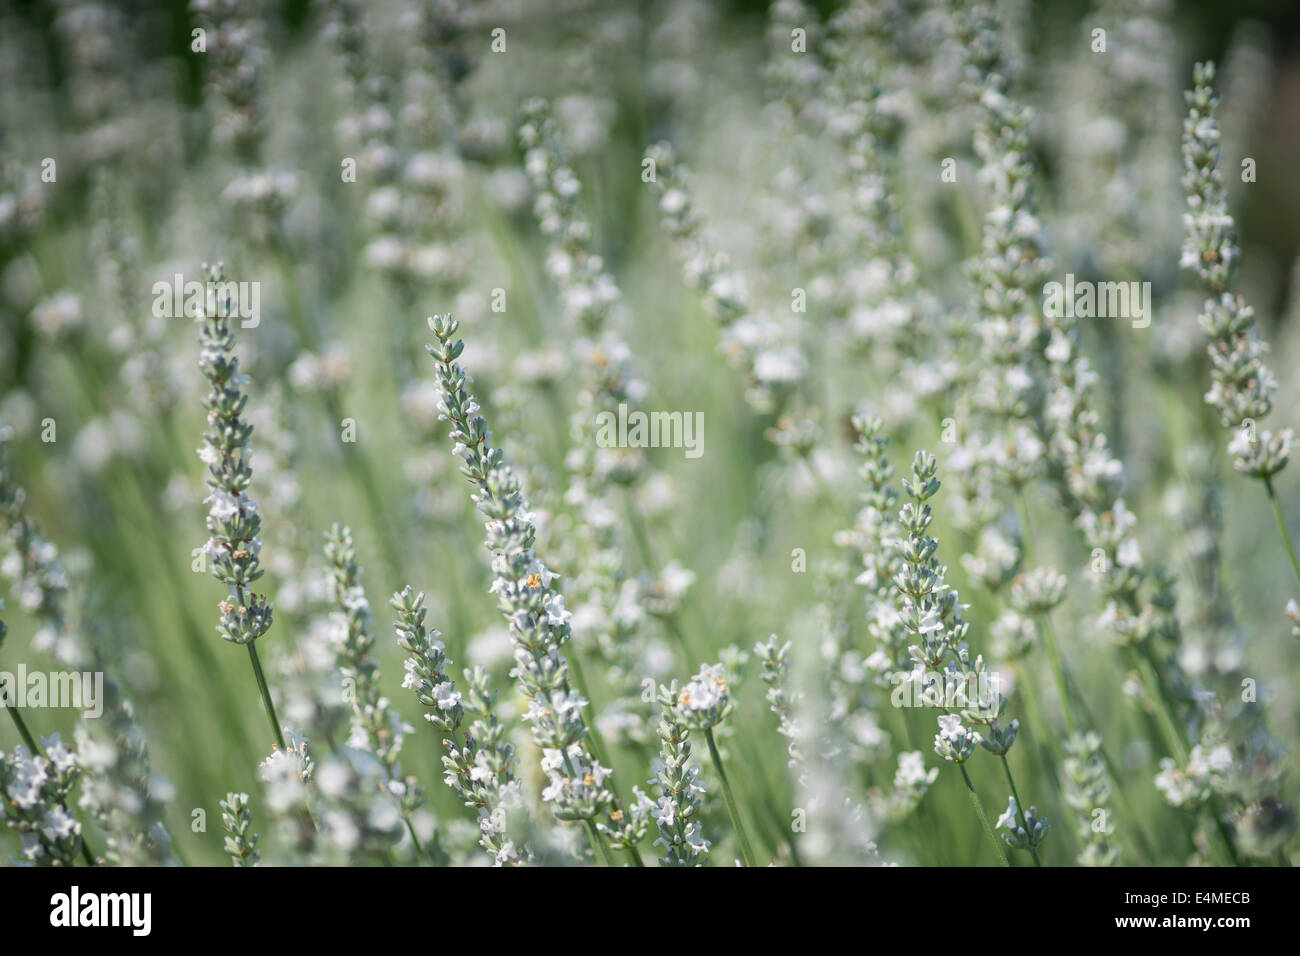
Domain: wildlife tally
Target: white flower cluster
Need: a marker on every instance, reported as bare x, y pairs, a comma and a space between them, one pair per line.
1022, 831
35, 791
705, 700
766, 348
534, 610
377, 727
1088, 793
677, 811
607, 615
237, 820
234, 521
1243, 386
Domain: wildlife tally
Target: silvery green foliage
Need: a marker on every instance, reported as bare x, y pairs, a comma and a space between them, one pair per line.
234, 521
1026, 835
22, 202
677, 811
480, 767
764, 348
776, 675
871, 104
31, 562
35, 791
1117, 127
426, 666
874, 542
1088, 793
603, 595
534, 610
236, 58
237, 819
236, 54
121, 791
377, 728
1056, 393
148, 371
929, 610
1242, 385
483, 769
118, 787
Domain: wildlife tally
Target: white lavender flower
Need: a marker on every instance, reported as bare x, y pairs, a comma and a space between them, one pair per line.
1088, 793
705, 700
1022, 836
1243, 386
234, 521
677, 812
955, 742
35, 791
377, 728
237, 820
539, 627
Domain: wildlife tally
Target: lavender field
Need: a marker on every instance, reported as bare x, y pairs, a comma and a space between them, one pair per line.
549, 432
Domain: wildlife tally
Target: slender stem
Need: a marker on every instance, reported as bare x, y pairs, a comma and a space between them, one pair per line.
1174, 740
266, 695
1058, 673
1281, 526
1026, 537
746, 852
599, 750
1048, 631
23, 732
1020, 810
639, 532
1121, 792
1177, 741
597, 843
410, 828
984, 817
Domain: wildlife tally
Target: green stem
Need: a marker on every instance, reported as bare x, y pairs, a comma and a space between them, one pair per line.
1281, 527
639, 532
1155, 689
1020, 810
599, 750
415, 840
1058, 673
597, 843
23, 732
1177, 742
746, 852
266, 694
984, 817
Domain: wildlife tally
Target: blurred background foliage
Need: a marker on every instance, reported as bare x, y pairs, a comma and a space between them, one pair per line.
120, 491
